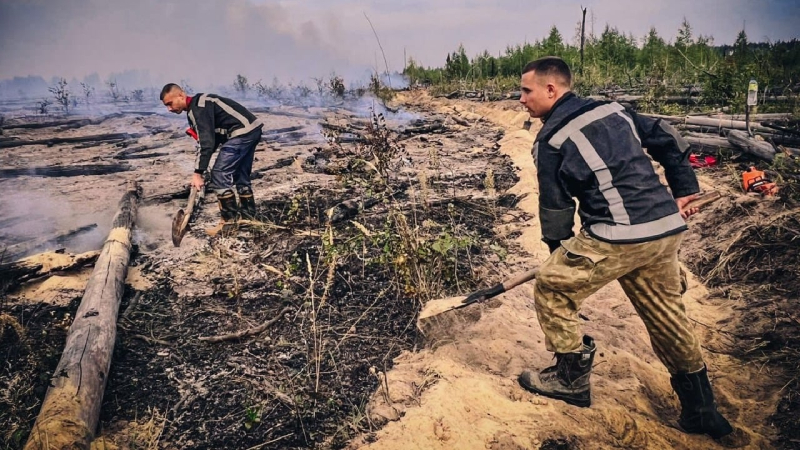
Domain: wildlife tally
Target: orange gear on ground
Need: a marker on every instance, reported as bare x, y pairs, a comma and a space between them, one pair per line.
754, 180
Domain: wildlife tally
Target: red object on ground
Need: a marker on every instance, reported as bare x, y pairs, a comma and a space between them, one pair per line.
706, 161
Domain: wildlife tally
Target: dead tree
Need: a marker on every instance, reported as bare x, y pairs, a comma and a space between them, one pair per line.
583, 35
71, 408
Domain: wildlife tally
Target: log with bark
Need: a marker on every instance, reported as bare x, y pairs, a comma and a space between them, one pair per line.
71, 408
745, 143
44, 264
65, 171
699, 142
711, 122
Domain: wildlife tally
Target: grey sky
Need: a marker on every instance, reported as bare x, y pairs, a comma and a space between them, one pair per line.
209, 41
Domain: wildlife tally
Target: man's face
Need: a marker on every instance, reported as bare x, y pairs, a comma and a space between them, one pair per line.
175, 101
538, 94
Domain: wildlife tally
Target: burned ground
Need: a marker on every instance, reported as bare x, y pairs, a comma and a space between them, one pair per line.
341, 295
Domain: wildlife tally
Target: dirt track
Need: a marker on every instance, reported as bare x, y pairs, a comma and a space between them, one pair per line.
455, 388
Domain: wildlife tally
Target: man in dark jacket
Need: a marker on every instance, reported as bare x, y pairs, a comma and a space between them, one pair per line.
631, 231
221, 122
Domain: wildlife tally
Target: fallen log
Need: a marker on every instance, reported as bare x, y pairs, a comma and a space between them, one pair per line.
71, 408
279, 112
711, 122
124, 154
711, 142
44, 264
64, 171
14, 252
745, 143
275, 131
70, 123
141, 156
341, 128
165, 197
98, 143
72, 140
785, 140
782, 129
280, 163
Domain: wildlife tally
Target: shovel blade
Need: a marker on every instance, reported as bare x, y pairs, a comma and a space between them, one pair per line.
439, 306
178, 230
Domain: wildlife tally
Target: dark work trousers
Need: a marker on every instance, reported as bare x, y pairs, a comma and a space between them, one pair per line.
235, 162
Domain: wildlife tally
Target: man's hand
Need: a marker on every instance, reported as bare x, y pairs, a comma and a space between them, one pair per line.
683, 201
198, 182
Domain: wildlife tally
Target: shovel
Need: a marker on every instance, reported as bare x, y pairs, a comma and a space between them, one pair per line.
180, 223
442, 305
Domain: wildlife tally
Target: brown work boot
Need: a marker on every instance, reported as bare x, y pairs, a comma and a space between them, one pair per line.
229, 211
699, 413
568, 380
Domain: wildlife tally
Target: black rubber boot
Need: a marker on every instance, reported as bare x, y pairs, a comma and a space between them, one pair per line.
568, 380
247, 202
699, 413
229, 210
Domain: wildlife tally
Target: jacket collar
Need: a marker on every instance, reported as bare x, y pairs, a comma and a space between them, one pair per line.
560, 101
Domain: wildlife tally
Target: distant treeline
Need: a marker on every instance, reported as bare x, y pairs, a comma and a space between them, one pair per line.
615, 60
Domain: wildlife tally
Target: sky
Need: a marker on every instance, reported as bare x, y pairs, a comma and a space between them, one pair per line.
210, 41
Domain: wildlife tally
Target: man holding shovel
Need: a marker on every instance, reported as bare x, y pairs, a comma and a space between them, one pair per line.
632, 227
221, 122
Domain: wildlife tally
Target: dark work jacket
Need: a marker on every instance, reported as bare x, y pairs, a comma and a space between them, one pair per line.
593, 152
216, 119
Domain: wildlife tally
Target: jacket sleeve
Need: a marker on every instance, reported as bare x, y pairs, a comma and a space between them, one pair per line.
669, 149
556, 206
204, 118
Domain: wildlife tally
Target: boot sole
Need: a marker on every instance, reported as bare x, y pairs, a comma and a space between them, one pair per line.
581, 402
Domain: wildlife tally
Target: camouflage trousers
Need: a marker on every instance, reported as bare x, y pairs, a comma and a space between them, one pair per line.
651, 277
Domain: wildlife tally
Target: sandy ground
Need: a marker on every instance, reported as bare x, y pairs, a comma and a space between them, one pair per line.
463, 394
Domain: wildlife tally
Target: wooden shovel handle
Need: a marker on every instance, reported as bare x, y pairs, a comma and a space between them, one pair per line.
189, 207
520, 279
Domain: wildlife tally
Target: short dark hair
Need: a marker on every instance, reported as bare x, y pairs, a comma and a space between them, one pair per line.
167, 87
550, 66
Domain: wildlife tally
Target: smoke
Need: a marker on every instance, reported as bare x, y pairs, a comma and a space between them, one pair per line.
206, 43
36, 217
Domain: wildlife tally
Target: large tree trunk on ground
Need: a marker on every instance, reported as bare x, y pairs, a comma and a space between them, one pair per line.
71, 409
742, 141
